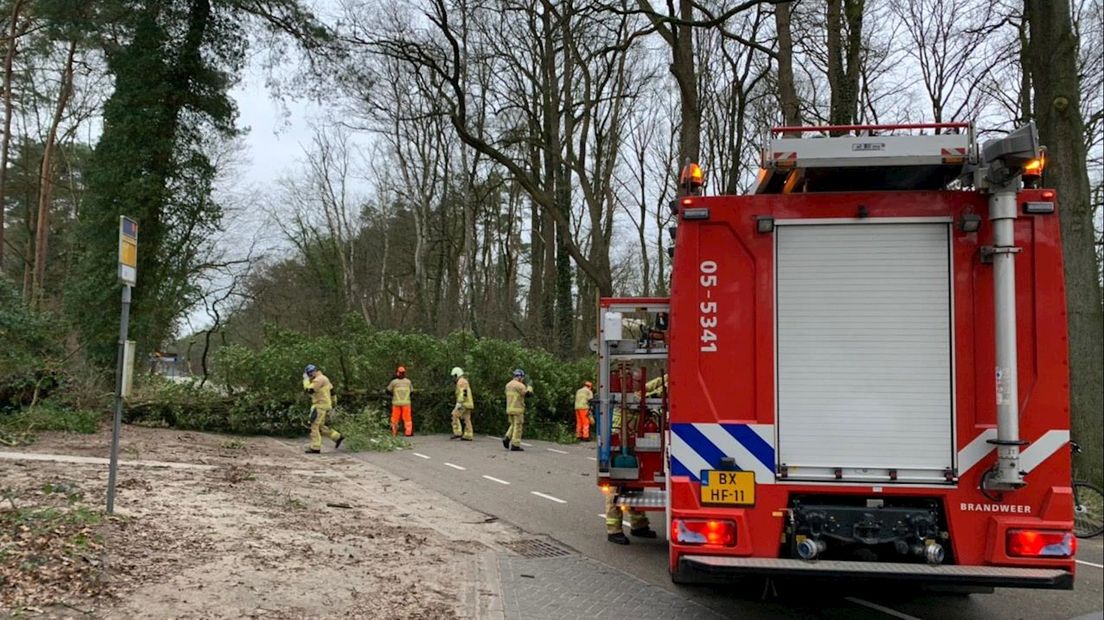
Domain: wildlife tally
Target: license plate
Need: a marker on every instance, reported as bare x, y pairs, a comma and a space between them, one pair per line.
730, 488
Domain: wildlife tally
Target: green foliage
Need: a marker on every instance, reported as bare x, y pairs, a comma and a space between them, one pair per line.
362, 361
187, 406
19, 426
169, 107
367, 431
30, 350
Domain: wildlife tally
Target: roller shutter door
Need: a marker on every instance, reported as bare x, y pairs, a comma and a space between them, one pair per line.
864, 351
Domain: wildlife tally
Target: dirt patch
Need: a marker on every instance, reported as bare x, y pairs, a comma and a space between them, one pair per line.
265, 531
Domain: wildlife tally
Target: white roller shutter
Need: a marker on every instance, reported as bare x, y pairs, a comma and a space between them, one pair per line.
864, 351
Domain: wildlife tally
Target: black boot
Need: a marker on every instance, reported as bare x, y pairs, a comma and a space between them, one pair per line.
618, 538
517, 449
643, 532
506, 442
454, 437
337, 442
312, 451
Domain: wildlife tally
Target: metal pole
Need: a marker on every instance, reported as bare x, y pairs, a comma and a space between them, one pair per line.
1002, 214
124, 325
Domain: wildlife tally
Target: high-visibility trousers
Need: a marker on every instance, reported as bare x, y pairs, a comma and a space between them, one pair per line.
460, 412
517, 423
582, 423
637, 520
318, 428
401, 412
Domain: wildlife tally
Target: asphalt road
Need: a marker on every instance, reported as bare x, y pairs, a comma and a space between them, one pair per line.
550, 489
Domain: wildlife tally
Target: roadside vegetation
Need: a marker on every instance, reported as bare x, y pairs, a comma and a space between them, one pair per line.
257, 391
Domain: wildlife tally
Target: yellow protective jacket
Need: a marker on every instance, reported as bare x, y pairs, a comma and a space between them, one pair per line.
321, 386
582, 398
400, 391
464, 394
656, 387
515, 396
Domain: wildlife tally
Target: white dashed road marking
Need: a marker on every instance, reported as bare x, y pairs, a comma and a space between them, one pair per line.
885, 610
455, 466
556, 451
549, 497
527, 445
1089, 564
593, 458
420, 455
498, 480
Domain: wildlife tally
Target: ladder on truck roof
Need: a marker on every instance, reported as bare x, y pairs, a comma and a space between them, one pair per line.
865, 157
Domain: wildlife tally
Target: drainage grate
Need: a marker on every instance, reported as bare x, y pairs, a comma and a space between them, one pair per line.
537, 549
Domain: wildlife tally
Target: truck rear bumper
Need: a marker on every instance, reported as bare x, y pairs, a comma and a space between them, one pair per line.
709, 568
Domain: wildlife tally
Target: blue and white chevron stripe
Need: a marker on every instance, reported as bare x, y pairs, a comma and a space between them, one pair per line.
697, 447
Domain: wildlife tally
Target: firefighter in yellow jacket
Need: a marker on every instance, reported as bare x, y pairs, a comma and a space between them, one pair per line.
516, 394
464, 406
400, 389
638, 521
320, 388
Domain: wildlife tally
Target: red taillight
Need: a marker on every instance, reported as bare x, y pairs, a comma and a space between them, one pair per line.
1048, 195
1041, 543
703, 532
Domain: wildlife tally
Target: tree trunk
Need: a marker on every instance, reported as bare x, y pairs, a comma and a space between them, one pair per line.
844, 79
834, 19
5, 140
46, 176
553, 170
853, 13
1053, 54
1025, 74
683, 69
787, 91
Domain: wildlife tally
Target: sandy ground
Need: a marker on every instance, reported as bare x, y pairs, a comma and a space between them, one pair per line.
254, 534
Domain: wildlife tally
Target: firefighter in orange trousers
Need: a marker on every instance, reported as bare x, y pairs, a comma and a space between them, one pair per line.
582, 411
516, 394
400, 389
319, 387
464, 406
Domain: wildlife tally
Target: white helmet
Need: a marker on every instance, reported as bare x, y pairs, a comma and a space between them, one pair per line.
456, 371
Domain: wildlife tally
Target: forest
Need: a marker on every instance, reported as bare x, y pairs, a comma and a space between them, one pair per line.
484, 166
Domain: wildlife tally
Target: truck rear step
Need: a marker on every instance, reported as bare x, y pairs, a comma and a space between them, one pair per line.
999, 576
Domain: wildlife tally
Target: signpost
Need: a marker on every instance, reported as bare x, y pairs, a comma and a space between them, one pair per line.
128, 276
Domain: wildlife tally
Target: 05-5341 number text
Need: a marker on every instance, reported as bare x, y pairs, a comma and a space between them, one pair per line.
707, 318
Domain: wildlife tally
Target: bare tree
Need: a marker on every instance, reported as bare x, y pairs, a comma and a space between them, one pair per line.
844, 52
46, 176
1053, 56
16, 26
947, 45
787, 88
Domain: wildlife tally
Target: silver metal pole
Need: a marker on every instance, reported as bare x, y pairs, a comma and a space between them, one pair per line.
124, 326
1002, 214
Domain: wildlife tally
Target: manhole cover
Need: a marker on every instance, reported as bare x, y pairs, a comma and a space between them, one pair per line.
537, 549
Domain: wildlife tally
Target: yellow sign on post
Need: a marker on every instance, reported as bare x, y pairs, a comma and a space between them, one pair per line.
128, 251
128, 275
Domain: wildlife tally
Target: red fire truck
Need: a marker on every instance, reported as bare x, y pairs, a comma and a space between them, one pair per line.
861, 370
